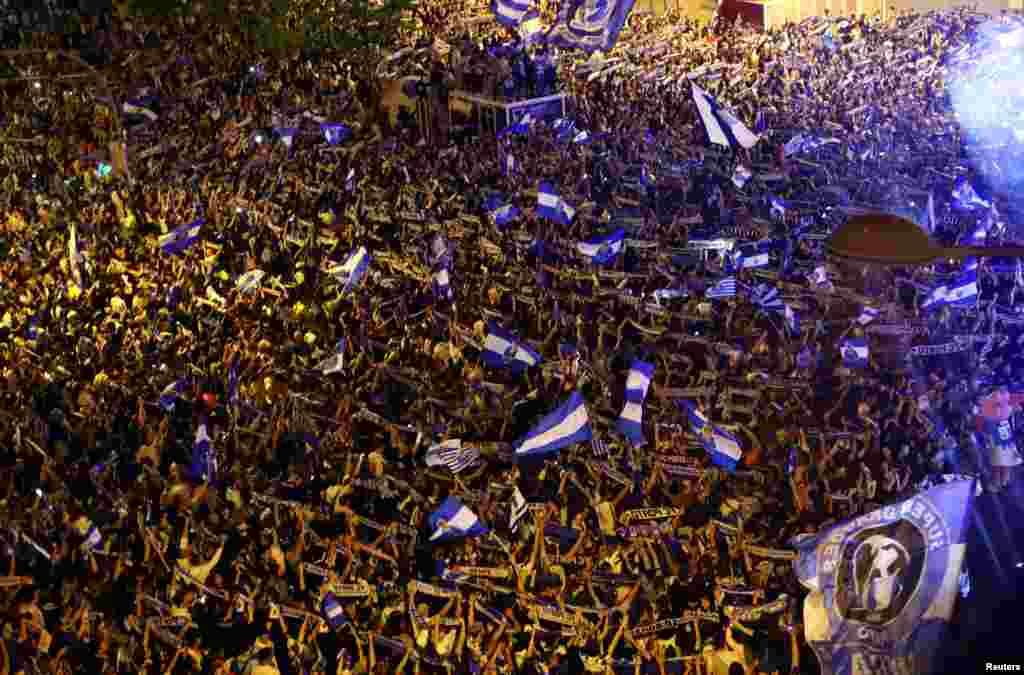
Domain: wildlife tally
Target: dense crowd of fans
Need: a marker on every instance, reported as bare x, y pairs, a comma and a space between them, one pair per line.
304, 542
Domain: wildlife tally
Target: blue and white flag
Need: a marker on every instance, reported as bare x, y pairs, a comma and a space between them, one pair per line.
726, 288
630, 422
566, 425
721, 125
583, 138
755, 255
791, 318
453, 520
287, 135
883, 585
510, 166
336, 362
590, 25
510, 13
741, 176
936, 298
351, 272
963, 291
442, 285
335, 133
503, 215
520, 127
966, 197
603, 250
550, 205
855, 352
565, 130
520, 507
171, 393
819, 279
767, 299
178, 240
867, 315
453, 455
779, 207
204, 463
723, 448
503, 350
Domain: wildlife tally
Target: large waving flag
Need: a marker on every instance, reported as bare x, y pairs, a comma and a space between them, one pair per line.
510, 13
453, 520
766, 298
883, 586
352, 271
722, 126
724, 449
453, 455
630, 422
179, 239
504, 350
590, 25
604, 249
550, 205
566, 425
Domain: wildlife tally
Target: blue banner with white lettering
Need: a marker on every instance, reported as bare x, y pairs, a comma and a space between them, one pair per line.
883, 585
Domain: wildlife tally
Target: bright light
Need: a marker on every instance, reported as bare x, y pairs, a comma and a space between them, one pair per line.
1012, 39
37, 85
1020, 564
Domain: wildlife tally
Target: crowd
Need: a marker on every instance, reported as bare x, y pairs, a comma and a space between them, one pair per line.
277, 440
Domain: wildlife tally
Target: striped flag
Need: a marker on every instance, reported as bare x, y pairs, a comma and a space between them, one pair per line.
855, 352
723, 447
453, 455
726, 288
453, 520
504, 350
550, 205
352, 271
510, 13
867, 315
630, 422
721, 125
604, 249
599, 448
520, 507
567, 425
178, 240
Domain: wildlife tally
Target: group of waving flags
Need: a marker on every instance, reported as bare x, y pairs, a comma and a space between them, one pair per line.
588, 25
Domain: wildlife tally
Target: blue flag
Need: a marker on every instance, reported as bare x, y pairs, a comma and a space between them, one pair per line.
630, 422
453, 520
590, 25
566, 425
883, 585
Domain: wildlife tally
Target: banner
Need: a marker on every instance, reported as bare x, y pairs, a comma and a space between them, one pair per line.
883, 585
360, 590
430, 589
650, 514
613, 473
771, 553
488, 572
945, 348
759, 612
